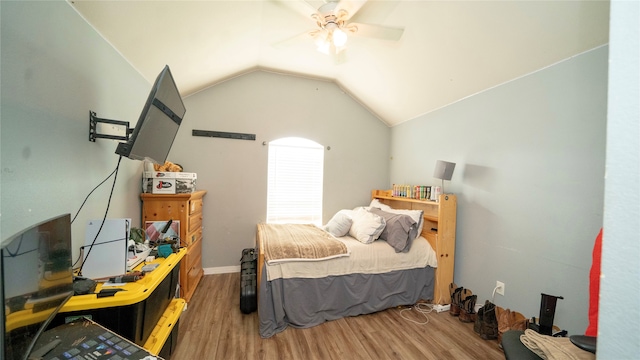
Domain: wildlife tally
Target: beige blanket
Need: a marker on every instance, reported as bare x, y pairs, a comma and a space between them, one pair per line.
553, 348
375, 258
299, 242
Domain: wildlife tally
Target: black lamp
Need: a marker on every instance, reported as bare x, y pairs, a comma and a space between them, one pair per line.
443, 171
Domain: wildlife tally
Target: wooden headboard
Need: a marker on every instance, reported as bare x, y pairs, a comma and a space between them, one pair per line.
439, 229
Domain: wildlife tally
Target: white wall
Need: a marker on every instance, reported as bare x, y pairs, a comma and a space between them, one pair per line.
234, 172
529, 177
55, 68
618, 336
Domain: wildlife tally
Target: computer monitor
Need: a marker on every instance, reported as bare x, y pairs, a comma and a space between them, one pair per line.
158, 124
36, 280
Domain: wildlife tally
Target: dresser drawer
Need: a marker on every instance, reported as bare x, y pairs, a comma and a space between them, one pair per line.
194, 256
195, 222
196, 269
195, 206
193, 269
192, 237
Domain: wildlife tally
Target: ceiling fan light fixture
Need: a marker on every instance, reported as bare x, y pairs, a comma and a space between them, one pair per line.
321, 37
339, 37
324, 47
323, 41
334, 27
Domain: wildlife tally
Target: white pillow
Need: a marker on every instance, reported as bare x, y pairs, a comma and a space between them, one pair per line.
339, 224
377, 204
366, 226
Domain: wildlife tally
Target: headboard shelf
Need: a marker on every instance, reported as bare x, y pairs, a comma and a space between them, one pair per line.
386, 194
440, 215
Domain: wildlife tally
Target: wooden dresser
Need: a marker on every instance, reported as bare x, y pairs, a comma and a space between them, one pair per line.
186, 208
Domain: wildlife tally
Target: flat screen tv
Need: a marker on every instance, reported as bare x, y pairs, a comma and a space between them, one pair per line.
36, 280
158, 124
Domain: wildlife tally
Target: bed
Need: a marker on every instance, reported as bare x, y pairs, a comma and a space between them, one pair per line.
307, 275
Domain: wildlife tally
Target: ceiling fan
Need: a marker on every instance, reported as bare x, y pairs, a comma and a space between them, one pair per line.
332, 18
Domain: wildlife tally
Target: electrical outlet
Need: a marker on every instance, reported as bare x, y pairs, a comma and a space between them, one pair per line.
500, 288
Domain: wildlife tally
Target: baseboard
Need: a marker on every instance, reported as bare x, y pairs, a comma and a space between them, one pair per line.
441, 308
222, 270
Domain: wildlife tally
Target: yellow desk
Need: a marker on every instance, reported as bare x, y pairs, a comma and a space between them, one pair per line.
133, 293
144, 312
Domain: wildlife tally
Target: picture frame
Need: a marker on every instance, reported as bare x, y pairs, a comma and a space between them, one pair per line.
153, 230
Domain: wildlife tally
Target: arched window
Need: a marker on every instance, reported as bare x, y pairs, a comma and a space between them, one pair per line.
294, 193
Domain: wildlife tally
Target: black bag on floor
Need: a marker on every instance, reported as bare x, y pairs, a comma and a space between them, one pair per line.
248, 281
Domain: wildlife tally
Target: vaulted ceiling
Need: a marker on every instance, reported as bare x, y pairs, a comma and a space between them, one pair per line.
449, 49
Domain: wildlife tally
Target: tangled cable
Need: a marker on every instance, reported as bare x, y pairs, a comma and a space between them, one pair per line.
421, 308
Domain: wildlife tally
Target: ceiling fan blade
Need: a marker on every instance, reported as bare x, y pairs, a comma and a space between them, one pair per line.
377, 31
303, 8
350, 6
376, 12
315, 4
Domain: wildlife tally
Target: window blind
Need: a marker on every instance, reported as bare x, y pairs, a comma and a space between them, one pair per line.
294, 193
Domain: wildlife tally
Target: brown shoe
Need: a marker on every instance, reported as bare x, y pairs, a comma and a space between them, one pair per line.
467, 312
517, 321
489, 325
503, 316
454, 310
477, 324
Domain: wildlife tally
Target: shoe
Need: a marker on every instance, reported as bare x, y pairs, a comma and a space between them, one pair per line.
510, 320
454, 310
452, 289
467, 313
503, 316
489, 325
477, 324
517, 321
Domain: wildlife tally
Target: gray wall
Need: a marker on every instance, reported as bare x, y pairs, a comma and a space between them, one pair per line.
529, 177
55, 68
234, 172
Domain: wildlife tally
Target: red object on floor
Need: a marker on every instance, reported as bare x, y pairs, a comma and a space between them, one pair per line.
594, 287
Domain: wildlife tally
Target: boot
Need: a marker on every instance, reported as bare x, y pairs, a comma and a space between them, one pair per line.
467, 312
504, 321
477, 324
517, 321
452, 288
454, 310
510, 320
489, 325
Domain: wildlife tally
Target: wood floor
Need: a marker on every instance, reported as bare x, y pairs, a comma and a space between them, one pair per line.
214, 328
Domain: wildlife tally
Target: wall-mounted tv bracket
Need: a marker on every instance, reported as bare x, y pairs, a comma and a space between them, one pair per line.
93, 132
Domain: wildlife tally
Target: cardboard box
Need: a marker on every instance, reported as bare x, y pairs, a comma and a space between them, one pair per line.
158, 182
